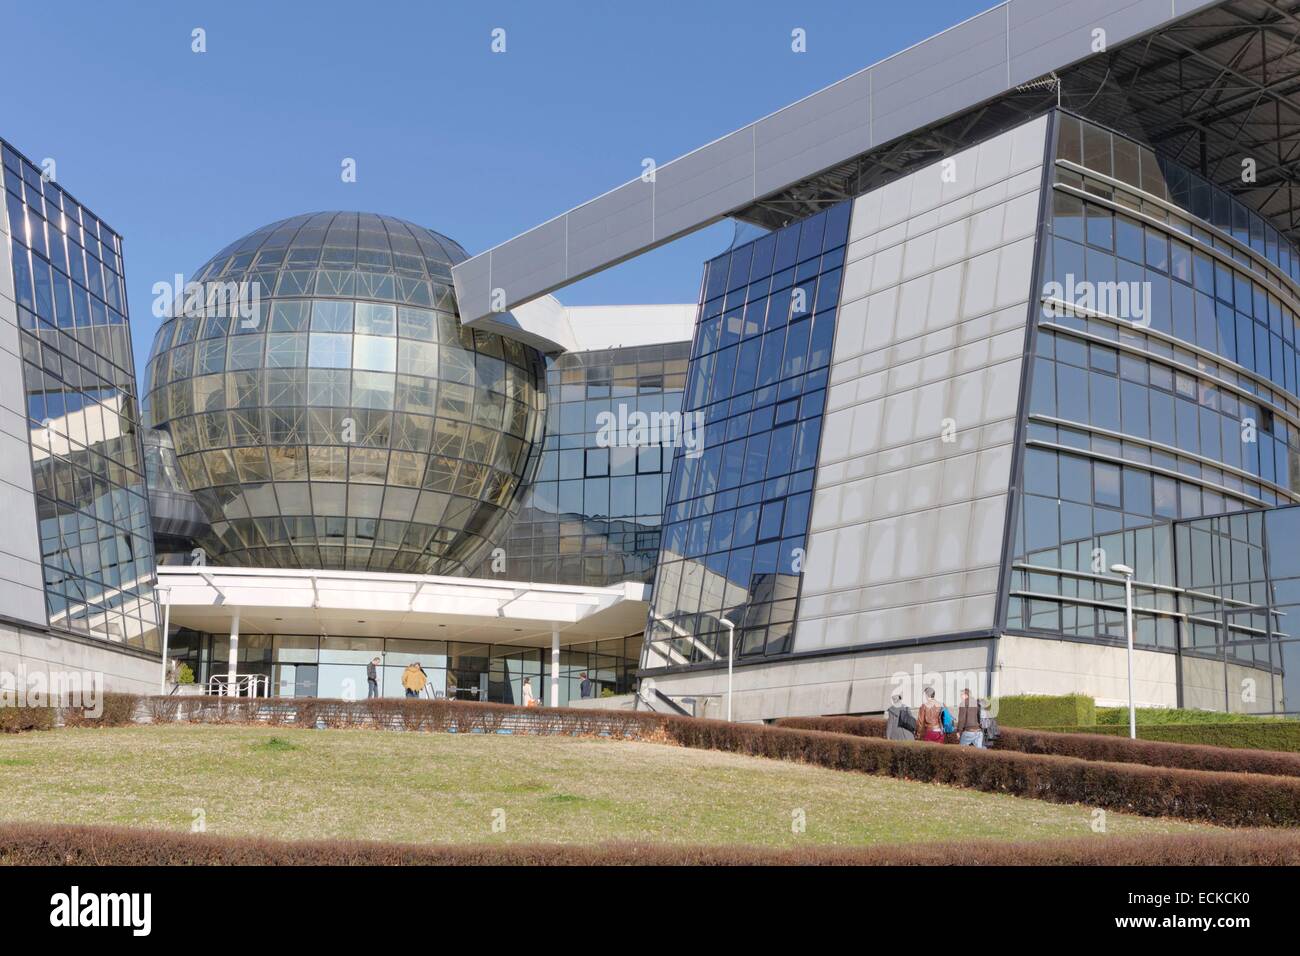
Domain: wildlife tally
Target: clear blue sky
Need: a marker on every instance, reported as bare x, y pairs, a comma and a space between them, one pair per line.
183, 152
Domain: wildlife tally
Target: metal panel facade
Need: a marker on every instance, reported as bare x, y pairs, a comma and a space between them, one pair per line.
973, 62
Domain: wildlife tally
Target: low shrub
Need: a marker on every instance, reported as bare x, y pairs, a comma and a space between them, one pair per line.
16, 720
25, 844
1227, 799
1087, 745
117, 710
410, 714
1043, 710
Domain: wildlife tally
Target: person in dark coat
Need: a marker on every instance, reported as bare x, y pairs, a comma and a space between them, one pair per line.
898, 718
372, 678
584, 689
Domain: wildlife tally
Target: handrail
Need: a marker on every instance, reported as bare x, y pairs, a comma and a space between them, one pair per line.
245, 685
671, 703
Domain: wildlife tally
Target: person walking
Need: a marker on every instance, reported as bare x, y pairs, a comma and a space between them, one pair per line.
970, 731
929, 720
529, 699
584, 689
372, 678
900, 724
413, 679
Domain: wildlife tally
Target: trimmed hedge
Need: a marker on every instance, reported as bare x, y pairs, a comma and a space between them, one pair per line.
46, 845
1042, 710
118, 711
1175, 715
1227, 799
430, 716
1088, 746
1280, 736
16, 720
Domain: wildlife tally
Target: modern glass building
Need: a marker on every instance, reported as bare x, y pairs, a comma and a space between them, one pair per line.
321, 416
329, 411
1052, 330
78, 563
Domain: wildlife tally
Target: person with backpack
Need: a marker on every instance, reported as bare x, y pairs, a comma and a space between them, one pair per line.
900, 724
930, 719
988, 722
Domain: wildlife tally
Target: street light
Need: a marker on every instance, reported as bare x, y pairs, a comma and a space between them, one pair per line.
1127, 572
731, 656
166, 628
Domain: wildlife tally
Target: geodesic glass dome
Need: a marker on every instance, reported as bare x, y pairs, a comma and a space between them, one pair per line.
328, 410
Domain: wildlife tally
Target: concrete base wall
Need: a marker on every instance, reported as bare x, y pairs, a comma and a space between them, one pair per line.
1033, 665
854, 683
24, 651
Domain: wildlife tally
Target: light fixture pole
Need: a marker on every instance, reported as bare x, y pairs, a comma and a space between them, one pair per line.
1127, 572
166, 628
731, 657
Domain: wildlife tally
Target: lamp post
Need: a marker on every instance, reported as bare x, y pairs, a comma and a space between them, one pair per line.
731, 656
1127, 572
166, 628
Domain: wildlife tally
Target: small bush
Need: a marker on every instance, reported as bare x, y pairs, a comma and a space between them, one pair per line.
16, 720
1042, 710
118, 710
27, 844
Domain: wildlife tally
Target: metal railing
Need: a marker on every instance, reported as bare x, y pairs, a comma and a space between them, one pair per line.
243, 685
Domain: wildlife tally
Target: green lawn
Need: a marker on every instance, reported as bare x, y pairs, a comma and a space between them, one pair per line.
444, 788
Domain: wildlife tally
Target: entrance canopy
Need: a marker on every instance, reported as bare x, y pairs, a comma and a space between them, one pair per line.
410, 606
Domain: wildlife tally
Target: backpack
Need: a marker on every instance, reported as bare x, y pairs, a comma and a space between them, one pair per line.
948, 723
906, 721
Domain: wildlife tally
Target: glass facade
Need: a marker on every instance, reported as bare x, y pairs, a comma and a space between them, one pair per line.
340, 416
737, 513
1239, 589
593, 515
78, 374
1163, 386
305, 665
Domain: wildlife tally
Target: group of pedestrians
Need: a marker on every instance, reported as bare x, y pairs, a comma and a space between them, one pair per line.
974, 724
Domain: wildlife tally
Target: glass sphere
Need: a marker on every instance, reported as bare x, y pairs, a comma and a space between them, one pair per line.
328, 409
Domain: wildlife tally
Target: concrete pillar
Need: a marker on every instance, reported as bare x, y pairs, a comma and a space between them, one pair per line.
233, 671
555, 665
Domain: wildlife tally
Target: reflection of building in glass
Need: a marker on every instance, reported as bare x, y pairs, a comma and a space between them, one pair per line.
592, 516
349, 421
88, 564
738, 512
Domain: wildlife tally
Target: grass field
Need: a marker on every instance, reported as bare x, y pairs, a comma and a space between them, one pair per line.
444, 788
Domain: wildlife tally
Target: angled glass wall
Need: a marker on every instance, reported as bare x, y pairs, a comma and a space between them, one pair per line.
347, 420
78, 373
593, 514
1163, 385
738, 501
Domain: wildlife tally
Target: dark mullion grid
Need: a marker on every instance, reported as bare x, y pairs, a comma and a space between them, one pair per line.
758, 373
95, 539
